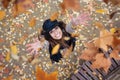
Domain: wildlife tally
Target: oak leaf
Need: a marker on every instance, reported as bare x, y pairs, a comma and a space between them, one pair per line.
101, 62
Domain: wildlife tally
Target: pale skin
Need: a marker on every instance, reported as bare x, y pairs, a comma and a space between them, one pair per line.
33, 48
56, 33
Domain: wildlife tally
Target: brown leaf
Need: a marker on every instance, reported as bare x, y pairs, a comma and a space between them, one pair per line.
68, 51
99, 25
54, 16
5, 3
66, 4
89, 52
41, 75
32, 22
101, 62
105, 40
20, 6
9, 78
115, 54
1, 40
2, 15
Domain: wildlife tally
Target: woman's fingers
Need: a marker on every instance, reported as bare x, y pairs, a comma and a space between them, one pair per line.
28, 45
29, 48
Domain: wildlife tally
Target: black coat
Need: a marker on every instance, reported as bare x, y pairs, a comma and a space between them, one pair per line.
58, 56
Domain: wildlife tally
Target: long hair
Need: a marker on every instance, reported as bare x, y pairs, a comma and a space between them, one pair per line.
54, 42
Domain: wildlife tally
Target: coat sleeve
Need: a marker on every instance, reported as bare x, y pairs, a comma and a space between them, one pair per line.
68, 28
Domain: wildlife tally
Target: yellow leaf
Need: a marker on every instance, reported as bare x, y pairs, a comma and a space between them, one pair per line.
7, 56
14, 49
2, 15
66, 38
32, 22
101, 11
54, 16
55, 49
113, 30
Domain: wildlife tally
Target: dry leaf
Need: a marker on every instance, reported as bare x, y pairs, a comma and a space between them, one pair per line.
114, 2
45, 1
113, 13
89, 52
54, 16
106, 1
75, 34
2, 15
101, 11
21, 6
5, 3
68, 51
113, 30
1, 40
14, 49
32, 22
41, 75
55, 49
99, 25
9, 78
101, 62
115, 54
23, 38
66, 4
105, 40
66, 38
7, 56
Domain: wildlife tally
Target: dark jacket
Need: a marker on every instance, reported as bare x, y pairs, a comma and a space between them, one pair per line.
58, 56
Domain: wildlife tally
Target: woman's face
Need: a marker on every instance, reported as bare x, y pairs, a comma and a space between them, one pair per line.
56, 33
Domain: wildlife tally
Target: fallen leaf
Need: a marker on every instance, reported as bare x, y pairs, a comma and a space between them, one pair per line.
5, 3
54, 16
66, 38
45, 1
113, 30
68, 51
7, 58
101, 62
73, 5
21, 6
9, 78
55, 49
2, 15
105, 40
99, 25
101, 11
113, 13
75, 34
106, 1
115, 54
23, 38
14, 49
41, 75
89, 52
32, 22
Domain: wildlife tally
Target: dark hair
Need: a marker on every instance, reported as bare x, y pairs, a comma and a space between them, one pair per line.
54, 42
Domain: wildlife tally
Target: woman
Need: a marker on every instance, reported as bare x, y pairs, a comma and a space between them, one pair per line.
55, 32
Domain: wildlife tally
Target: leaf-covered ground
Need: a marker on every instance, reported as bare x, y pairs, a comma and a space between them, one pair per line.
20, 23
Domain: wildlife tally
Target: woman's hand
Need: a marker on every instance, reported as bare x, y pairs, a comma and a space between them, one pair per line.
35, 46
82, 19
